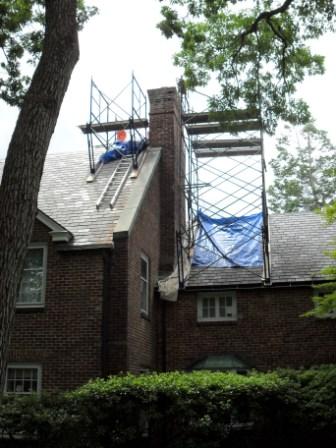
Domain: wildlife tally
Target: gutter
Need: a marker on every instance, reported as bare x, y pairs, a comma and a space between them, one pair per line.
288, 284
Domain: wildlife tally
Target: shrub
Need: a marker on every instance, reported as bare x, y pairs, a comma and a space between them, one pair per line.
174, 410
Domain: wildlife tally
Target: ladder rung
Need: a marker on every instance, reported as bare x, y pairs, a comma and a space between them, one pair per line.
117, 173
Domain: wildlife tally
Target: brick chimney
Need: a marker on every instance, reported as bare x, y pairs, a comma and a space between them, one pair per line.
166, 132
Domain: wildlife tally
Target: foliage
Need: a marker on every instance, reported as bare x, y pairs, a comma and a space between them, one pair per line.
21, 37
304, 179
47, 421
204, 409
185, 408
250, 48
325, 298
312, 406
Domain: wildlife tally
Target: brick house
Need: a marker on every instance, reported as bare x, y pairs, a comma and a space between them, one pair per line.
89, 304
260, 326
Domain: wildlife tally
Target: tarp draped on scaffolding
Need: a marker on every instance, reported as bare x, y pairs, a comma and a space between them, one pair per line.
229, 242
169, 286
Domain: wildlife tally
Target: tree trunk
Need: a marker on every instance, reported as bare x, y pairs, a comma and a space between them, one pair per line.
26, 155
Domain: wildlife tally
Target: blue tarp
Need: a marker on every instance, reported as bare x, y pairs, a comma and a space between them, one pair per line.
229, 242
120, 149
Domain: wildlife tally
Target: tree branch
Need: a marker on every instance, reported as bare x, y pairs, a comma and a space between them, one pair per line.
264, 16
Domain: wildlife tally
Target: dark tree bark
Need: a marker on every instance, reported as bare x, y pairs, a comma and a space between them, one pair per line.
26, 155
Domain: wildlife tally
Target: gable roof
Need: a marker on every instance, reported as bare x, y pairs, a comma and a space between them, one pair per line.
70, 201
297, 245
57, 232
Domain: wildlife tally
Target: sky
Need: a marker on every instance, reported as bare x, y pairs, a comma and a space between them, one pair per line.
123, 39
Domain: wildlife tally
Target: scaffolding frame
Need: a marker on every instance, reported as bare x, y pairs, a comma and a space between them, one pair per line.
239, 186
126, 111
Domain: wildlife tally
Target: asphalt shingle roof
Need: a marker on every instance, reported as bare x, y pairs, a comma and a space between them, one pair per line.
298, 242
67, 198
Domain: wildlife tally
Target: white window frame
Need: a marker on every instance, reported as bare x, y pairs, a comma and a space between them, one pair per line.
145, 281
41, 304
15, 365
217, 296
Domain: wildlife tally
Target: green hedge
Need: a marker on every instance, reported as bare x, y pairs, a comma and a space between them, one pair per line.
175, 410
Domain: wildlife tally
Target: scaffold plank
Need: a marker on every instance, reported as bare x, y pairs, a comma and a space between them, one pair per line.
222, 116
216, 128
228, 152
227, 143
113, 126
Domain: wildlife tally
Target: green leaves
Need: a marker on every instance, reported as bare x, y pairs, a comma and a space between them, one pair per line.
21, 40
181, 410
305, 178
250, 50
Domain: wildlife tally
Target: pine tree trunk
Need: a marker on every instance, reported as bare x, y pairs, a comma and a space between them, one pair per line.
26, 155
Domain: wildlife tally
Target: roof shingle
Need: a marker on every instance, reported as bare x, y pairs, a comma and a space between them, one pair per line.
298, 242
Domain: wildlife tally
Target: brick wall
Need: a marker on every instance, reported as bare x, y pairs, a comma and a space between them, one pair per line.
166, 132
144, 239
268, 333
116, 310
64, 336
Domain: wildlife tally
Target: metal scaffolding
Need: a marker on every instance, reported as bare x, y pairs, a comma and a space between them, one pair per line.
225, 175
127, 111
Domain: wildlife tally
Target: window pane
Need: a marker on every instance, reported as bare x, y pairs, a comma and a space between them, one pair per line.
10, 386
31, 287
19, 387
205, 312
27, 374
22, 380
208, 307
222, 307
18, 374
11, 374
228, 300
34, 258
212, 307
27, 387
143, 268
143, 295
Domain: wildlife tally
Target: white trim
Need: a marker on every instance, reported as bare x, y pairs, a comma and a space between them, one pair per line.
58, 233
146, 281
41, 304
217, 296
25, 365
142, 183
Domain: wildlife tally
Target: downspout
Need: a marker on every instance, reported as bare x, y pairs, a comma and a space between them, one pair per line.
163, 335
107, 267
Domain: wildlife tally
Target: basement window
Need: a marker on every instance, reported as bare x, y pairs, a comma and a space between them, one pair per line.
226, 362
23, 379
144, 284
33, 283
217, 306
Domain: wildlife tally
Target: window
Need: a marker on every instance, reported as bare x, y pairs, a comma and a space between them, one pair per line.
32, 288
144, 286
23, 379
217, 307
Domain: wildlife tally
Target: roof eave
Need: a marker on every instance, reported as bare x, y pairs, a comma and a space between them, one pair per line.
144, 177
58, 233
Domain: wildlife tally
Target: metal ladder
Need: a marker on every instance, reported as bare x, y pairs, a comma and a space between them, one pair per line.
116, 182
